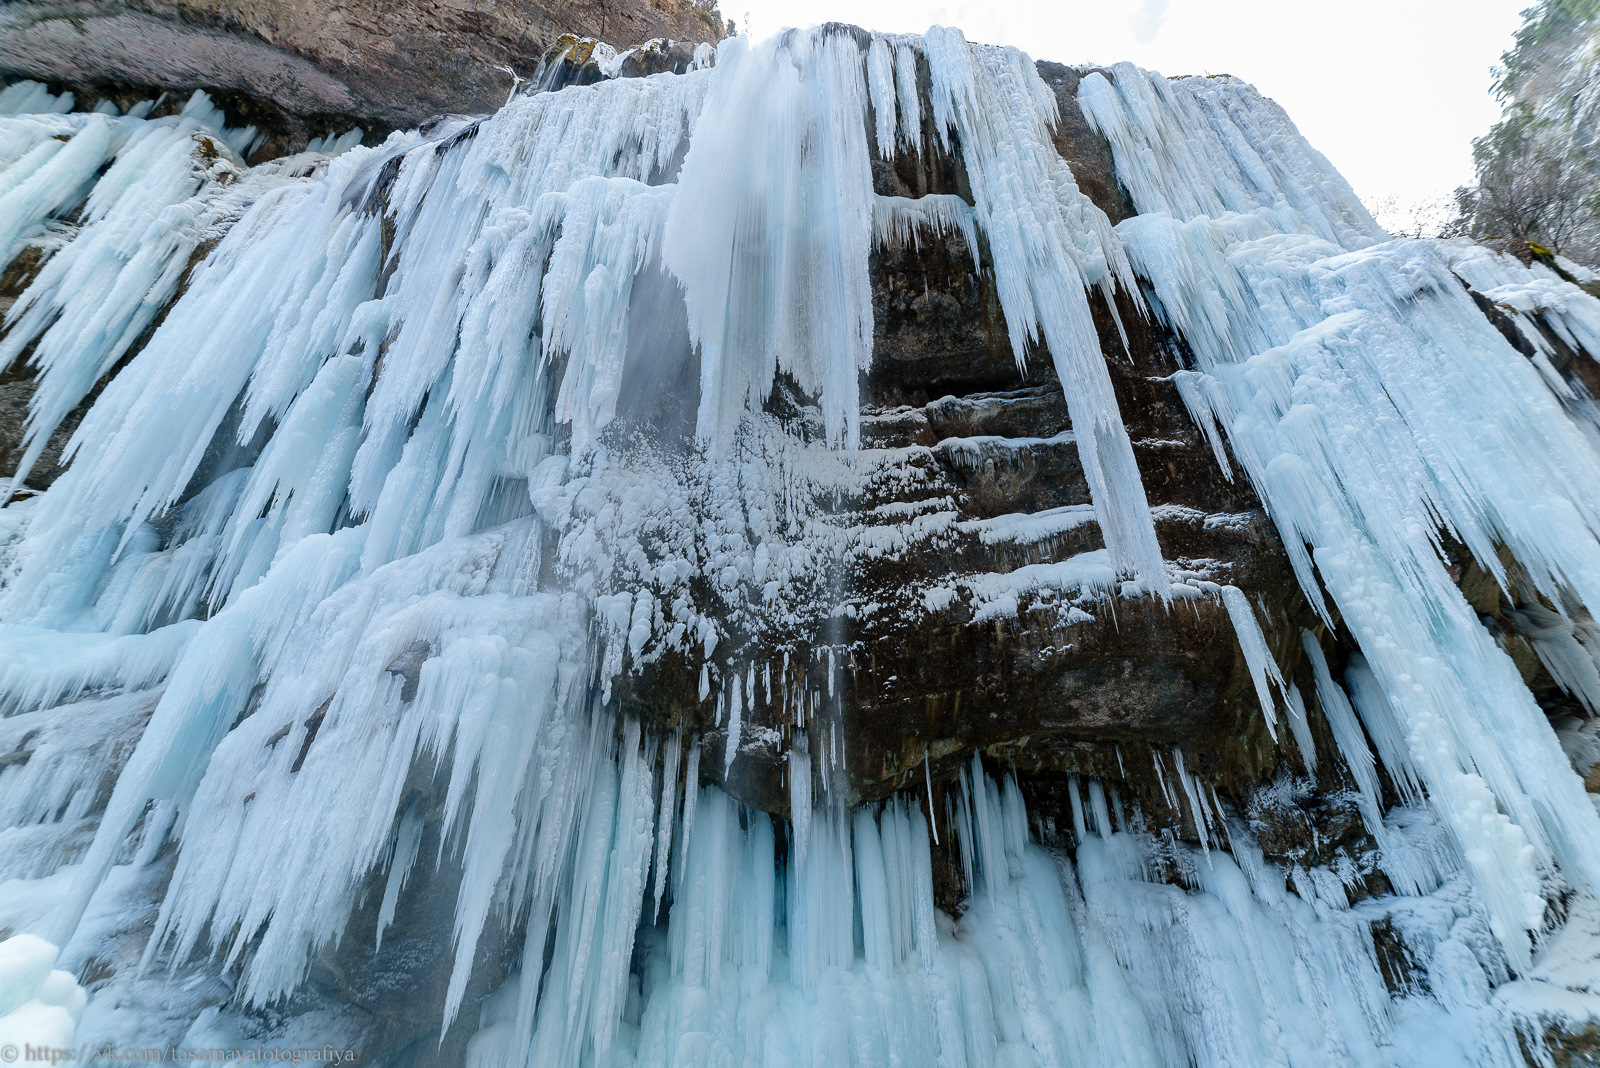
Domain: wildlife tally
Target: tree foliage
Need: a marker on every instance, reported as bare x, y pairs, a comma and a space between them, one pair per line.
1538, 168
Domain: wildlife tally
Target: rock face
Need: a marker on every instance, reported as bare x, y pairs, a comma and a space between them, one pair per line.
304, 69
962, 436
956, 433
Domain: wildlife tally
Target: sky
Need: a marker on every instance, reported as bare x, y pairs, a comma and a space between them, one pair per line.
1391, 91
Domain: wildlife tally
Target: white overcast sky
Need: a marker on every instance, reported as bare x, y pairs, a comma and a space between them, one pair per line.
1392, 91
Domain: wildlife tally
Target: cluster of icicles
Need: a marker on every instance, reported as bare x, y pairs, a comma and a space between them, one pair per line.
297, 565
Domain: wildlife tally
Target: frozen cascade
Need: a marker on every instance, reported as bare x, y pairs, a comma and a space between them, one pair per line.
1376, 414
758, 962
402, 474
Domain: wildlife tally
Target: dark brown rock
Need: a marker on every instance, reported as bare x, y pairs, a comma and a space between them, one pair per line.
1576, 1048
1088, 153
18, 382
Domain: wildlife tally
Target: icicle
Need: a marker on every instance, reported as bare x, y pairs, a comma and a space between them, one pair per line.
1554, 641
1166, 792
1216, 809
1300, 727
800, 803
1046, 252
1346, 734
1116, 806
966, 837
691, 795
1256, 654
775, 197
1197, 808
1097, 805
1377, 715
1080, 827
885, 107
666, 815
730, 747
408, 837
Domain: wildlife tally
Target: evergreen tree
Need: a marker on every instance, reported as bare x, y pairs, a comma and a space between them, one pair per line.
1538, 168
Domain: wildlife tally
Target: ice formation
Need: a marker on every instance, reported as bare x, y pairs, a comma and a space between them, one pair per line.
39, 1004
359, 513
1372, 409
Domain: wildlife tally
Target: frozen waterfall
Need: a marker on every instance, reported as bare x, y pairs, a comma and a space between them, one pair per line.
405, 461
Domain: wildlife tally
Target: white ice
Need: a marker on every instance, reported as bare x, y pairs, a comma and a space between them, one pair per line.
1376, 411
354, 518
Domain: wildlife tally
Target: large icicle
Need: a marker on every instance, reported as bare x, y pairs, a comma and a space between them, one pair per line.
772, 226
1047, 245
1206, 146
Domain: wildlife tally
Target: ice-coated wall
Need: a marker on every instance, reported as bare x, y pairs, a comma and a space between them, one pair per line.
412, 455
